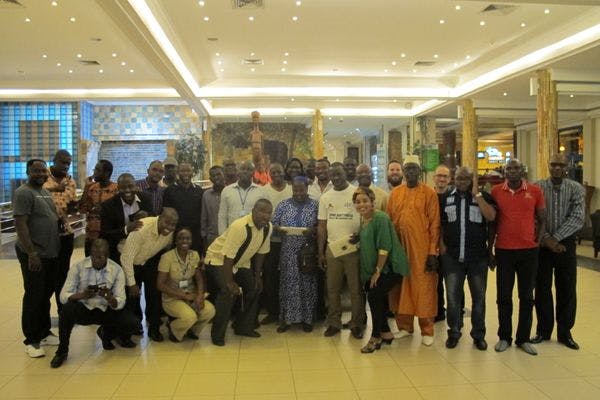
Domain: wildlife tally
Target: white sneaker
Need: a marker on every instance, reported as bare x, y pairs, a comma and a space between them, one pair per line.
34, 350
50, 340
402, 334
427, 340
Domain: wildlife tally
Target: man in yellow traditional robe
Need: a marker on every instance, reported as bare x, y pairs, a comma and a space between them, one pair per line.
414, 210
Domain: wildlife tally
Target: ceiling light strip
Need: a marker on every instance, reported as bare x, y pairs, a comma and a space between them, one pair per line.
117, 92
334, 92
144, 12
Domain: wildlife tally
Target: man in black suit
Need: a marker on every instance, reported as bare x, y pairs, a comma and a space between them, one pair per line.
121, 214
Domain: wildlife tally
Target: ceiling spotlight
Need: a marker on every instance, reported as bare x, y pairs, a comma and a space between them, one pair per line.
414, 70
547, 11
131, 71
222, 70
457, 8
114, 55
250, 18
294, 18
504, 94
54, 3
282, 69
482, 23
442, 21
571, 95
201, 3
70, 71
285, 118
337, 100
217, 54
285, 61
44, 56
123, 63
523, 24
443, 71
206, 18
394, 63
395, 100
402, 55
220, 62
252, 69
468, 57
252, 54
292, 99
27, 19
79, 55
329, 117
456, 64
58, 64
435, 56
298, 3
286, 54
101, 71
385, 70
72, 19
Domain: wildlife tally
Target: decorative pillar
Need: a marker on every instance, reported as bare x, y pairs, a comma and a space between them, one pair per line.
395, 144
208, 145
469, 135
449, 149
317, 135
547, 120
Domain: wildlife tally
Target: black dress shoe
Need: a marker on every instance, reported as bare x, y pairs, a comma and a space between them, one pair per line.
218, 342
126, 342
439, 317
155, 335
306, 327
570, 343
191, 335
481, 344
538, 338
106, 344
346, 325
356, 332
252, 334
283, 327
451, 342
331, 331
58, 360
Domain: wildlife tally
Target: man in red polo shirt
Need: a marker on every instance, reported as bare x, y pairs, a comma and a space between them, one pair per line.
520, 225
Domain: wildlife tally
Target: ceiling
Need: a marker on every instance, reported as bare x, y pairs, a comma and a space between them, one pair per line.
354, 60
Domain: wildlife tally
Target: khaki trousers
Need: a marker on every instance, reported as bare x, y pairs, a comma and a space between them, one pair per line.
186, 317
347, 266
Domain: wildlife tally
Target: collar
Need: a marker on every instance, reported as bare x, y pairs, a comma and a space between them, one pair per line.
135, 200
522, 187
236, 185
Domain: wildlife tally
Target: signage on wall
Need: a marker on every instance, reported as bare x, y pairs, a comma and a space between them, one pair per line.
495, 156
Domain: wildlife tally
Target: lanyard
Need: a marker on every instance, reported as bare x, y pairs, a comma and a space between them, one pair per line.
184, 265
243, 201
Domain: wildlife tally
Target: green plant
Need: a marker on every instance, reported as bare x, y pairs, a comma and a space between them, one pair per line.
190, 149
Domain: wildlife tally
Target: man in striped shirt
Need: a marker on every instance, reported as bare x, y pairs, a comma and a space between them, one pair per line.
564, 217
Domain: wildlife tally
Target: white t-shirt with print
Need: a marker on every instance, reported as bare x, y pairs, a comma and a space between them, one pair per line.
337, 208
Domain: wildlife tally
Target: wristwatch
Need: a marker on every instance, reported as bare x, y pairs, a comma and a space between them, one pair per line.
478, 194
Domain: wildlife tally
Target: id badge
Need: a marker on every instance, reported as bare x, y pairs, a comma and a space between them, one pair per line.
183, 284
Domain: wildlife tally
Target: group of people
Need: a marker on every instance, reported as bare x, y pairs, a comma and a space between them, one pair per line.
288, 246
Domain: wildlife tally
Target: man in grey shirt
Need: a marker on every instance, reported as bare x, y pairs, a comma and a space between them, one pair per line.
37, 247
238, 199
209, 218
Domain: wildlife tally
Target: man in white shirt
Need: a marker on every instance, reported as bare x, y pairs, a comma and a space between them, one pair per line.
94, 293
322, 184
339, 220
238, 199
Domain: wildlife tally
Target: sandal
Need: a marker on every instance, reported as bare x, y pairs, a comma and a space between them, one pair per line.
372, 345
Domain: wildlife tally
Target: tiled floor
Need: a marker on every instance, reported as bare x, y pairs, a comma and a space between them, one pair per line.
295, 365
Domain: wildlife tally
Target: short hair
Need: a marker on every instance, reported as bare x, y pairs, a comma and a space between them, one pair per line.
361, 190
125, 175
106, 166
154, 162
301, 179
262, 202
215, 167
102, 244
464, 169
394, 161
61, 153
324, 160
336, 164
32, 161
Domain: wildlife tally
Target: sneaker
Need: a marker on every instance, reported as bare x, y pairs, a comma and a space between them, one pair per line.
501, 346
427, 340
528, 348
402, 334
50, 340
34, 350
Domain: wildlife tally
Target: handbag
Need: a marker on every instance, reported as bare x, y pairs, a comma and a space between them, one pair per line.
308, 261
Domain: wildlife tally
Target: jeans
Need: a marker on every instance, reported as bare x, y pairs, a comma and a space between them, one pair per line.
120, 323
454, 275
39, 287
223, 301
64, 263
523, 263
564, 267
378, 302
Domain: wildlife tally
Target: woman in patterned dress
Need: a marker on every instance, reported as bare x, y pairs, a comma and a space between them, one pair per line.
297, 290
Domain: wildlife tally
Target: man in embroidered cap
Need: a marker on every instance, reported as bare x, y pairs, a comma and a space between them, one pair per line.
414, 209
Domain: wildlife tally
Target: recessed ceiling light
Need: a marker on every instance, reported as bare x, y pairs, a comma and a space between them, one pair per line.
70, 71
222, 70
442, 21
132, 71
435, 56
385, 70
337, 99
482, 23
298, 3
285, 61
547, 11
252, 69
79, 55
250, 18
201, 3
294, 18
571, 95
504, 94
443, 71
217, 54
123, 63
402, 55
292, 99
44, 56
286, 54
395, 100
252, 54
206, 18
220, 62
101, 71
394, 63
282, 69
329, 117
285, 118
468, 57
457, 8
58, 64
414, 70
54, 3
27, 19
523, 24
114, 55
456, 64
72, 19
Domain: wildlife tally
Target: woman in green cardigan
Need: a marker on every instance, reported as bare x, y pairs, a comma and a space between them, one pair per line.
382, 264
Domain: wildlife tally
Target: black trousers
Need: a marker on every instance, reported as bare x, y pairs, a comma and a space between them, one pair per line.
64, 263
378, 302
564, 268
245, 317
39, 287
270, 294
120, 323
146, 274
523, 263
441, 310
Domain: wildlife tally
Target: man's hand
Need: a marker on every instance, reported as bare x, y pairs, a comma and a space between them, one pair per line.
35, 263
374, 278
492, 260
133, 291
431, 265
553, 245
199, 302
234, 289
475, 188
443, 248
323, 261
354, 238
134, 226
189, 296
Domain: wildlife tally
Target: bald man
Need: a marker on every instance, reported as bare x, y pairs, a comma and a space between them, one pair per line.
441, 181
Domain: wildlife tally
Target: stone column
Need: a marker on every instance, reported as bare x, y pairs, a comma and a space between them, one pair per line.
317, 135
547, 120
449, 149
469, 135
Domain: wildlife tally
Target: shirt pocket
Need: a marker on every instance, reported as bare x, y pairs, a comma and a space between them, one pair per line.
475, 214
450, 213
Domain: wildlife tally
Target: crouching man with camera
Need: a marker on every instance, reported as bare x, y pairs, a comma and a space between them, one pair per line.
94, 293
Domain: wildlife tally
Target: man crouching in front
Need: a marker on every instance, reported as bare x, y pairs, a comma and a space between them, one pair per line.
94, 293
